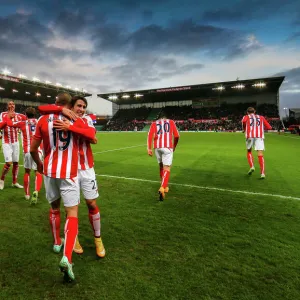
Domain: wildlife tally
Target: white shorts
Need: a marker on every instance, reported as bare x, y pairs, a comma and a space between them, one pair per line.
257, 143
29, 162
88, 184
164, 155
67, 189
11, 152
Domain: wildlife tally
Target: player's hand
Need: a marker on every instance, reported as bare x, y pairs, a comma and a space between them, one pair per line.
61, 125
94, 141
150, 152
69, 113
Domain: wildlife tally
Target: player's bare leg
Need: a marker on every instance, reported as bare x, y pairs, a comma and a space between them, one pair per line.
261, 164
250, 161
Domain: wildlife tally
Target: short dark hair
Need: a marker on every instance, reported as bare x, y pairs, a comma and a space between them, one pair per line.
30, 112
251, 110
63, 99
76, 98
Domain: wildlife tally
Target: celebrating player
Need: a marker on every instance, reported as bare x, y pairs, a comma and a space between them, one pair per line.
61, 176
254, 126
10, 145
163, 131
86, 172
27, 128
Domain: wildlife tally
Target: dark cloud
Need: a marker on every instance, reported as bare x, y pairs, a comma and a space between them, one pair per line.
178, 37
249, 10
292, 79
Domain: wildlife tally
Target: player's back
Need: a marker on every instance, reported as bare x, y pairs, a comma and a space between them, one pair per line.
28, 129
60, 148
163, 131
254, 126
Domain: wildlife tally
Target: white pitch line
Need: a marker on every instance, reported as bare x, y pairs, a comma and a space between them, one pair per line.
210, 188
111, 150
204, 187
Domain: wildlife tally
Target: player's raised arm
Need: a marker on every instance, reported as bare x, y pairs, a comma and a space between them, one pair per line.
18, 124
55, 109
79, 127
150, 138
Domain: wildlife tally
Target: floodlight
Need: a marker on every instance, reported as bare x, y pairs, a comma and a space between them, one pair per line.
113, 97
35, 79
5, 71
68, 87
38, 94
125, 96
58, 84
238, 86
76, 89
138, 95
48, 82
1, 88
219, 88
14, 90
48, 96
27, 93
259, 84
22, 76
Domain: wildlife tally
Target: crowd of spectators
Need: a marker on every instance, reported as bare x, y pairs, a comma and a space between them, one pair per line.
226, 117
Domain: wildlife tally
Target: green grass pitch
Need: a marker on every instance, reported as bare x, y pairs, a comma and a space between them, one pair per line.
219, 234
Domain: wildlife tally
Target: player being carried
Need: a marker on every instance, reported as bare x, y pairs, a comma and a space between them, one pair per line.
60, 171
86, 172
254, 126
10, 145
28, 128
163, 131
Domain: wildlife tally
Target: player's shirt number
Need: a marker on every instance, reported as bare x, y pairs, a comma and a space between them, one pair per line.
63, 137
163, 128
252, 122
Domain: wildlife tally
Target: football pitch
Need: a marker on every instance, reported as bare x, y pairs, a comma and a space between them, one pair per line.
219, 234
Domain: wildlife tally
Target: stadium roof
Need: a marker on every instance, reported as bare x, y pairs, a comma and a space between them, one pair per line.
30, 90
209, 90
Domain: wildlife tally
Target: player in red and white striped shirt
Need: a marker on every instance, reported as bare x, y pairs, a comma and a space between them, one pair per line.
254, 126
163, 131
86, 172
28, 128
10, 145
61, 175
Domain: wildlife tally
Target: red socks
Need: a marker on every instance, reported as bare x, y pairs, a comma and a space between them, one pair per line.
261, 164
15, 172
27, 184
5, 170
94, 216
54, 220
165, 179
250, 159
161, 173
38, 181
71, 231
